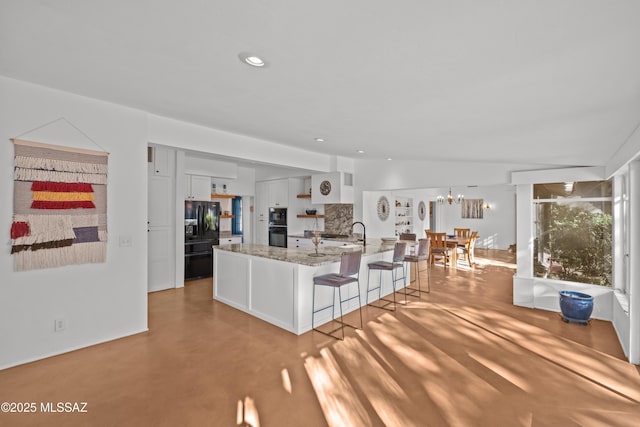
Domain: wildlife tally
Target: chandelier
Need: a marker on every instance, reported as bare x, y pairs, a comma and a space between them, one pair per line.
450, 199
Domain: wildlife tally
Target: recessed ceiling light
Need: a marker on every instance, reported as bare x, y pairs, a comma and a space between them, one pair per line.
253, 60
360, 151
389, 158
319, 139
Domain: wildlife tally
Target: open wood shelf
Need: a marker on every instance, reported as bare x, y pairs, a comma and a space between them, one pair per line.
303, 196
310, 216
222, 196
227, 216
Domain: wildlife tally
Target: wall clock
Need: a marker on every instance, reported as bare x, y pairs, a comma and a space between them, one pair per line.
325, 188
383, 208
422, 211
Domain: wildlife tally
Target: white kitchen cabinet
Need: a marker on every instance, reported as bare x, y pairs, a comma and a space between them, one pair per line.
160, 161
303, 242
334, 243
269, 194
198, 187
262, 214
299, 242
278, 192
230, 240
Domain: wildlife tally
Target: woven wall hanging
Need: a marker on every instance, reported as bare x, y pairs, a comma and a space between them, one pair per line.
60, 206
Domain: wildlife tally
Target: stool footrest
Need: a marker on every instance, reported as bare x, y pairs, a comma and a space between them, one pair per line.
383, 306
413, 291
342, 325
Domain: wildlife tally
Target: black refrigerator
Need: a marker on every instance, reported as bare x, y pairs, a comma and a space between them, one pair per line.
201, 232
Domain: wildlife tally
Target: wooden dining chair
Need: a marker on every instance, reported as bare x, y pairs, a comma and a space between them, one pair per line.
438, 248
462, 232
467, 250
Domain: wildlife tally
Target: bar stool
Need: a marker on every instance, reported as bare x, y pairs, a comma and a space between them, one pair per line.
408, 236
422, 255
349, 273
398, 262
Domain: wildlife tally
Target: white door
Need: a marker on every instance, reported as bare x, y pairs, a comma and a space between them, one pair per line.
160, 240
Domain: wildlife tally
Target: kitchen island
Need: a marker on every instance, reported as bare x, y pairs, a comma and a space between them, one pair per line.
276, 284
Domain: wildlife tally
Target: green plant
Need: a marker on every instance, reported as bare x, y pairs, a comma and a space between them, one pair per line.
210, 221
579, 239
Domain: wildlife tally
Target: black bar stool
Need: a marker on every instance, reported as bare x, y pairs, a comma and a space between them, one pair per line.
349, 273
398, 262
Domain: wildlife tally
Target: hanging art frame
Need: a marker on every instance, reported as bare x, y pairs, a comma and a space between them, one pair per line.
60, 206
473, 208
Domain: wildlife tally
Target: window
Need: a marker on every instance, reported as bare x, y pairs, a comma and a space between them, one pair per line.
236, 210
573, 231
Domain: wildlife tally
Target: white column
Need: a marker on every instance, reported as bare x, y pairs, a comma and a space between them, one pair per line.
634, 273
523, 279
619, 276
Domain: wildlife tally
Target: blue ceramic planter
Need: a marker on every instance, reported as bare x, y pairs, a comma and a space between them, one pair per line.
576, 306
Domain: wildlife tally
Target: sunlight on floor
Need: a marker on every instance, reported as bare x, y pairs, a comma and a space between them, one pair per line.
286, 381
384, 394
493, 262
247, 415
444, 361
407, 377
335, 394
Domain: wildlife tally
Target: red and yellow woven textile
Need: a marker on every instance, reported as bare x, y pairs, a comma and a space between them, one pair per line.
60, 206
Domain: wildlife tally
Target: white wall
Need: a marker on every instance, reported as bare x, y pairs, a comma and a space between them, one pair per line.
375, 226
100, 302
175, 133
497, 230
379, 175
243, 185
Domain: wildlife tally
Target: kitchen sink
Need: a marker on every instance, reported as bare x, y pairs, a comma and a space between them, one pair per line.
333, 236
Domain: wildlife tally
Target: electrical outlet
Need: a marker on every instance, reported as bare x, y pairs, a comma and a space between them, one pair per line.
59, 325
124, 241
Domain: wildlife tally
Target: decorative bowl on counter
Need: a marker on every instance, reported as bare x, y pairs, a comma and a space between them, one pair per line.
311, 211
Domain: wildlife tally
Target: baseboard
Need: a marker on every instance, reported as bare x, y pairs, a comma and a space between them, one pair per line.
69, 350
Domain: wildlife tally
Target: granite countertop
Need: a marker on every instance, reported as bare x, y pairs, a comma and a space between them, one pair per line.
338, 239
301, 255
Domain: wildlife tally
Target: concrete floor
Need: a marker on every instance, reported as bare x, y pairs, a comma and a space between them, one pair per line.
461, 355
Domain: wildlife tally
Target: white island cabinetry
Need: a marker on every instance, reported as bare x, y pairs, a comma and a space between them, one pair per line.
276, 284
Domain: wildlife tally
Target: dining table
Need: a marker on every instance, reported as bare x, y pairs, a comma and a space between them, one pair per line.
452, 241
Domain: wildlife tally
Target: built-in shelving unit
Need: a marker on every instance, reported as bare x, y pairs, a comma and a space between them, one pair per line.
404, 215
226, 216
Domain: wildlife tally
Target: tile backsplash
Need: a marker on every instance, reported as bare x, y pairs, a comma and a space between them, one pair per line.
338, 218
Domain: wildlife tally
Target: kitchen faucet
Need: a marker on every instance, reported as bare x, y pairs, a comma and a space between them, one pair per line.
364, 232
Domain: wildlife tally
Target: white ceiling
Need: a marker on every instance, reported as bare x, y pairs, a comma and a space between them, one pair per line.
539, 82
